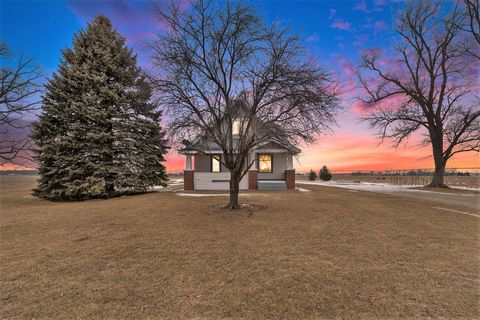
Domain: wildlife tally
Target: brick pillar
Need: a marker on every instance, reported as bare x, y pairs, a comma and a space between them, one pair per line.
253, 179
188, 179
290, 178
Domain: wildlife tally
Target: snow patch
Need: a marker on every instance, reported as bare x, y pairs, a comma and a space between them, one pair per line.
302, 190
457, 211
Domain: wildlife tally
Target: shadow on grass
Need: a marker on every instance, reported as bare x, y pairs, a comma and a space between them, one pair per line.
245, 209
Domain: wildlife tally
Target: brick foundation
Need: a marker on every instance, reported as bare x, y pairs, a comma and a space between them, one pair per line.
253, 179
290, 178
188, 180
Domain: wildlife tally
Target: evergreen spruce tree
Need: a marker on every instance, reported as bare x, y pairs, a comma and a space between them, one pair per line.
99, 133
325, 174
312, 175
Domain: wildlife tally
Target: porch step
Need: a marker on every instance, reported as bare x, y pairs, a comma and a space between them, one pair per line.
272, 185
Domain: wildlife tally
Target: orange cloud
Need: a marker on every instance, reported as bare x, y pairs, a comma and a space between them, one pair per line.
175, 162
9, 166
356, 152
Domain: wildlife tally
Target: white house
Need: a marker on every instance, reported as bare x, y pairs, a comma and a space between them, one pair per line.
272, 165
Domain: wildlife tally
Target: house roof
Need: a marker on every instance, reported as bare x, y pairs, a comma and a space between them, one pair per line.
276, 141
270, 145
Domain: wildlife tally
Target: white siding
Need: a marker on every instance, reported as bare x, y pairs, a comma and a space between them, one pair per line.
216, 181
203, 163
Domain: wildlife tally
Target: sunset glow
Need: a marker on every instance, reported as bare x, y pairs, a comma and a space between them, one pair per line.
350, 153
334, 32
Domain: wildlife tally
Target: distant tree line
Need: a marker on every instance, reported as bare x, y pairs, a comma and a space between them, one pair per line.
18, 172
409, 173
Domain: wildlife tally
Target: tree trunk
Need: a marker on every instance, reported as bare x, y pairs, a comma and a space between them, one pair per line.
109, 179
438, 174
109, 188
234, 189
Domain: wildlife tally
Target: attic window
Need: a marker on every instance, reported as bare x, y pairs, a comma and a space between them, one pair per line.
238, 126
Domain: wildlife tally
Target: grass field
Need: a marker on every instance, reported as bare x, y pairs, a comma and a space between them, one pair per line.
328, 253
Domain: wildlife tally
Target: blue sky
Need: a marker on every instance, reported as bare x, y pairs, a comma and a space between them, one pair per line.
331, 29
335, 32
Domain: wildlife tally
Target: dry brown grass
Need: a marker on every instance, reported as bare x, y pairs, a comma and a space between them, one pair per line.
329, 253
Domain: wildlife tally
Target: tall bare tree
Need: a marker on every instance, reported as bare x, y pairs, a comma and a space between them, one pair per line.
471, 24
428, 85
221, 62
473, 18
19, 89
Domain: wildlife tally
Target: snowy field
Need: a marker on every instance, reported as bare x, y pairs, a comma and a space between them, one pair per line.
375, 187
467, 197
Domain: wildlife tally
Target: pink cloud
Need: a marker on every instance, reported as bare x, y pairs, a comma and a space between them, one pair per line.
384, 62
360, 39
312, 38
347, 67
138, 21
349, 91
375, 52
341, 25
361, 107
380, 25
350, 85
390, 103
175, 162
129, 17
362, 6
361, 151
355, 150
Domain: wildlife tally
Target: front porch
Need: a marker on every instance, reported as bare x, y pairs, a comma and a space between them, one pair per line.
270, 171
272, 185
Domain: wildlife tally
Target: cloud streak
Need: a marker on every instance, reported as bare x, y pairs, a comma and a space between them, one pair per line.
138, 21
362, 6
312, 38
340, 24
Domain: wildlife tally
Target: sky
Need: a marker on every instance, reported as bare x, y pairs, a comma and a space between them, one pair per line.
334, 32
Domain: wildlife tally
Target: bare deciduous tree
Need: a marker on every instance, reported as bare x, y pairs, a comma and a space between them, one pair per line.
218, 63
470, 23
429, 85
473, 18
19, 89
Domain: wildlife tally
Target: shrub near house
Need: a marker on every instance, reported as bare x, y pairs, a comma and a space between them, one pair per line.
325, 174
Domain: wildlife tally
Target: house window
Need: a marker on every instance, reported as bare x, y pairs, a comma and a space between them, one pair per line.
238, 126
265, 163
215, 163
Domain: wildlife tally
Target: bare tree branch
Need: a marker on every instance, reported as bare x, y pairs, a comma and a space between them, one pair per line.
218, 64
19, 93
429, 85
473, 18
